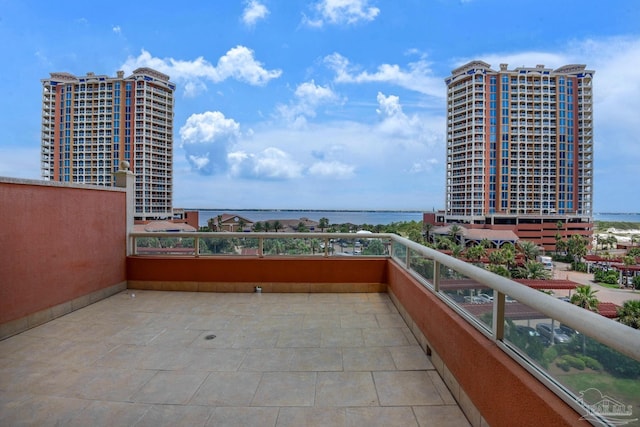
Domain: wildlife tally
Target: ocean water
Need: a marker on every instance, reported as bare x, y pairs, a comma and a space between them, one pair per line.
334, 217
361, 217
617, 217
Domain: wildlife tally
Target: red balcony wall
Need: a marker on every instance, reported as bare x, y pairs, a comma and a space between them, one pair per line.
503, 392
241, 274
58, 243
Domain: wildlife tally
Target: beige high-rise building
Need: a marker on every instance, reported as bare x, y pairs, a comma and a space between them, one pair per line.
519, 142
91, 123
520, 151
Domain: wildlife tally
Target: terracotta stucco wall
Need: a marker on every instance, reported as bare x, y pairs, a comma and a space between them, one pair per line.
504, 393
58, 243
254, 269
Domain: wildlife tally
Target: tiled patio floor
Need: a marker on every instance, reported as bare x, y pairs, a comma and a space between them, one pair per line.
275, 360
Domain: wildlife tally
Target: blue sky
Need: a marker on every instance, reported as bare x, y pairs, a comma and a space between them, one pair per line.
333, 104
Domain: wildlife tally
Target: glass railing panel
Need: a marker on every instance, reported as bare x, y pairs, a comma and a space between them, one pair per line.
348, 246
422, 266
604, 380
165, 245
292, 246
470, 295
228, 246
399, 252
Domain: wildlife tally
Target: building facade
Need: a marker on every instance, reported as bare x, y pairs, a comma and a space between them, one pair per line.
520, 147
91, 123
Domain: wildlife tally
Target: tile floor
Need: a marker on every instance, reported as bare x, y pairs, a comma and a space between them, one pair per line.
213, 359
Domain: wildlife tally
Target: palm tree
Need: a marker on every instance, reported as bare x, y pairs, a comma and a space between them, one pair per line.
533, 270
529, 249
257, 227
585, 297
241, 224
426, 229
324, 223
267, 226
454, 231
456, 250
629, 314
476, 252
577, 247
277, 226
486, 243
301, 228
443, 243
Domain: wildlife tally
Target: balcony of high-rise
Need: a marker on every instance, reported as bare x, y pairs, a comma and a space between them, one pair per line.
101, 325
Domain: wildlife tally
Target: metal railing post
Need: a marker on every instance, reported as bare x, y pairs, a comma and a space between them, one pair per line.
498, 315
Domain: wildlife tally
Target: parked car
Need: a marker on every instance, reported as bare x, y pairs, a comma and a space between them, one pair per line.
527, 330
475, 300
568, 331
559, 337
486, 297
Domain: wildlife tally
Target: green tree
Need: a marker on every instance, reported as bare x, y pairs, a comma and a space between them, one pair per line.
415, 235
443, 243
267, 226
533, 270
499, 269
486, 243
497, 257
629, 313
456, 251
577, 247
277, 225
241, 224
375, 247
302, 228
509, 254
585, 297
258, 227
426, 229
454, 231
323, 223
476, 252
529, 249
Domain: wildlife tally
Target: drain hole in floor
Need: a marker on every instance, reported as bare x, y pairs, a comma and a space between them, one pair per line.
209, 337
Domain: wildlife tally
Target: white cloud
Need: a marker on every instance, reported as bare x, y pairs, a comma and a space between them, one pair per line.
308, 97
238, 63
341, 12
418, 75
411, 132
116, 29
206, 138
271, 163
253, 12
332, 169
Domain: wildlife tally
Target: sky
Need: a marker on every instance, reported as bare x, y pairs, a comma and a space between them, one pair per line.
320, 104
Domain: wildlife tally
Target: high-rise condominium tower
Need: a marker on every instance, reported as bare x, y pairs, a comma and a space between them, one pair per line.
92, 123
519, 143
